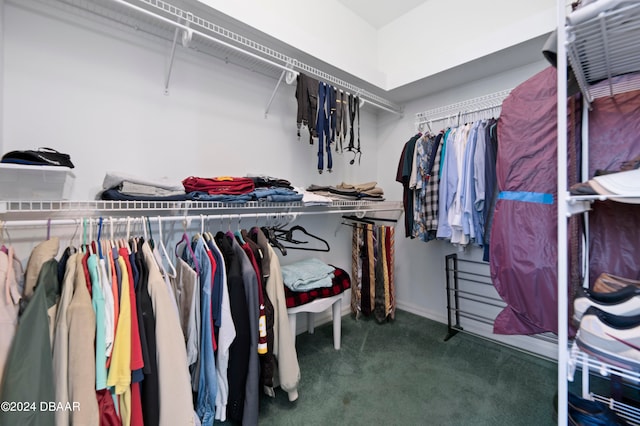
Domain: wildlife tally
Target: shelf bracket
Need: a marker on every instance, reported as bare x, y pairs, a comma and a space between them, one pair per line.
290, 79
186, 39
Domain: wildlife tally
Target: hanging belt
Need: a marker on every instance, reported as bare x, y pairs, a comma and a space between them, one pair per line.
354, 112
324, 137
338, 121
352, 117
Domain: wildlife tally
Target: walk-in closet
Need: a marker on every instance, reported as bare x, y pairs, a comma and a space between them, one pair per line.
353, 212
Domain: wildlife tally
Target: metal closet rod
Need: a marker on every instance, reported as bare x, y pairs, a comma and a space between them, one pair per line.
461, 113
462, 107
26, 223
284, 67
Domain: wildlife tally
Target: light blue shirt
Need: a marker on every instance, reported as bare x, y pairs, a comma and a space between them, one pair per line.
448, 185
468, 195
98, 302
207, 382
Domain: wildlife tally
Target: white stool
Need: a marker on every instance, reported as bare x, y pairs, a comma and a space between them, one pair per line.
315, 306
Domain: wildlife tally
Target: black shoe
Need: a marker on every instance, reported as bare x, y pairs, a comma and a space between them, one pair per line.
584, 412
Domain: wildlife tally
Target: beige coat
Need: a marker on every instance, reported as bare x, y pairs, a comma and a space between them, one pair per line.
176, 403
61, 342
284, 348
10, 293
81, 321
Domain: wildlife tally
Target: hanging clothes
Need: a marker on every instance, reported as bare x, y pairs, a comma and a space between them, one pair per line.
267, 360
307, 98
226, 335
239, 349
524, 269
61, 343
373, 288
341, 118
28, 373
11, 282
354, 117
323, 125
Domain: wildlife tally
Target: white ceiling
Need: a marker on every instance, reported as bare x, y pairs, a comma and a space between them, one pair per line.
379, 13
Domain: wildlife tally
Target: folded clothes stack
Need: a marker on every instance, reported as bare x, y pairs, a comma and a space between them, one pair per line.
609, 321
613, 184
224, 189
362, 191
314, 198
261, 181
222, 185
124, 187
307, 274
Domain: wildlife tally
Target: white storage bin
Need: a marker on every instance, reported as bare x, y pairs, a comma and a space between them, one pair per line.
19, 182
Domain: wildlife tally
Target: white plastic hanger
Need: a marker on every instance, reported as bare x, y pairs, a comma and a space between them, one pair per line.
163, 249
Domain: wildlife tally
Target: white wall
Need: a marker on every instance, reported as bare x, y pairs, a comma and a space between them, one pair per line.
433, 37
327, 30
2, 24
420, 274
97, 93
441, 34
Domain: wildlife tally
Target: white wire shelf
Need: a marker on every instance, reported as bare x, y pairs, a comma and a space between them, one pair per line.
490, 103
577, 204
44, 210
604, 46
198, 32
630, 413
578, 358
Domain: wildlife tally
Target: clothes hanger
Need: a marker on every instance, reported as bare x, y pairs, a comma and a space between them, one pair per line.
163, 249
289, 238
238, 232
201, 234
185, 239
98, 240
273, 241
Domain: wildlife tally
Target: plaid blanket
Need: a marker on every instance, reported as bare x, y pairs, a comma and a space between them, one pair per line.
341, 282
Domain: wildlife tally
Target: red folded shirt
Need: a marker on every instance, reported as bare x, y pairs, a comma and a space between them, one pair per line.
224, 185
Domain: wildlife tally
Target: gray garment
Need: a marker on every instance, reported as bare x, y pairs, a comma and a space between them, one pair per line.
188, 299
250, 281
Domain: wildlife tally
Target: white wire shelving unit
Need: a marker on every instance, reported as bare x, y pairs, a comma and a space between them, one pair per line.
196, 30
481, 107
38, 213
601, 45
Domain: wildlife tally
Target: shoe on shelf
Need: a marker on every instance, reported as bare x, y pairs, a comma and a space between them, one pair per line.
614, 339
607, 283
585, 412
625, 301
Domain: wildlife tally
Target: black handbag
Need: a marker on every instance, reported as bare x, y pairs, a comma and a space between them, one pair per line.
41, 157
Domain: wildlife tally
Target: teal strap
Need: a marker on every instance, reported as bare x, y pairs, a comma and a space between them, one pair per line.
527, 197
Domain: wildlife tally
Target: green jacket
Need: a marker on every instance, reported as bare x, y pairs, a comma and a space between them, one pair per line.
28, 385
